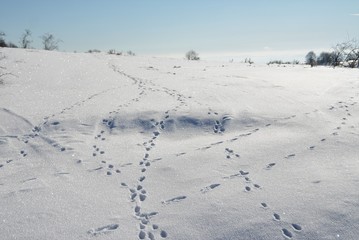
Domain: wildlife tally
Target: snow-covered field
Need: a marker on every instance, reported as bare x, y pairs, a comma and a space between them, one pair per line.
97, 146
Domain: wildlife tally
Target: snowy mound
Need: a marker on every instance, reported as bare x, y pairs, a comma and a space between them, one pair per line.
97, 146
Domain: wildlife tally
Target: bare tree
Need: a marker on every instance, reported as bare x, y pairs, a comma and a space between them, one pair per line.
192, 55
352, 58
25, 39
111, 51
50, 42
340, 53
311, 59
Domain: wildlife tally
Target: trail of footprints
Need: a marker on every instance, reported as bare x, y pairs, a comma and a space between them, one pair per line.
249, 185
97, 152
35, 132
294, 227
232, 139
137, 193
285, 231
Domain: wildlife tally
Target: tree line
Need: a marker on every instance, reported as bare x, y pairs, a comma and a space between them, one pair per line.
344, 54
49, 41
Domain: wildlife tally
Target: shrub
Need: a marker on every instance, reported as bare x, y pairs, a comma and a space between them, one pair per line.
93, 51
50, 42
248, 60
2, 43
325, 58
130, 53
192, 55
12, 45
25, 39
2, 40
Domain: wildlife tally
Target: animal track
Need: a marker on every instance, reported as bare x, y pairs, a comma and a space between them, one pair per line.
102, 230
137, 210
264, 205
23, 153
55, 123
276, 217
218, 127
142, 197
217, 143
163, 234
204, 148
219, 124
151, 236
180, 154
210, 111
210, 187
296, 227
175, 199
146, 216
230, 153
269, 166
232, 176
142, 235
286, 233
290, 156
287, 118
95, 169
243, 173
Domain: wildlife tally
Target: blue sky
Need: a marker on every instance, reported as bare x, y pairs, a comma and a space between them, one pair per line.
260, 29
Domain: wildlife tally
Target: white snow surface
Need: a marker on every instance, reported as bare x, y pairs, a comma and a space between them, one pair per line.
97, 146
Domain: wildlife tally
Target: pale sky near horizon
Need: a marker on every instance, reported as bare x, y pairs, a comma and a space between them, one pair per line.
223, 29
